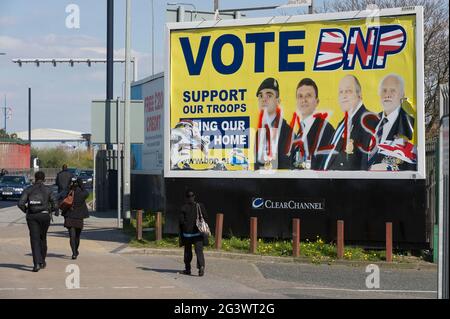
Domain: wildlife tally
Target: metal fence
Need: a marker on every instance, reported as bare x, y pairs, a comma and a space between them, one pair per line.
432, 171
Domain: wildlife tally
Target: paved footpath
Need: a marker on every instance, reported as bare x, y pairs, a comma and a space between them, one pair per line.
108, 268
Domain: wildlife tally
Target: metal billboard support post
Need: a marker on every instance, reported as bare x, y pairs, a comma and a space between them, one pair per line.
443, 284
127, 145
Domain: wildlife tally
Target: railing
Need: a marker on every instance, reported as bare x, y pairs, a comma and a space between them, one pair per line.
340, 246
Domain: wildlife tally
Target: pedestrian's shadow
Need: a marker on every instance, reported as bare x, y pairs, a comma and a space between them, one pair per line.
17, 266
53, 255
172, 271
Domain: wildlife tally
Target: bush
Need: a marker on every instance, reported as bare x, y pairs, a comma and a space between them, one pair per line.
57, 156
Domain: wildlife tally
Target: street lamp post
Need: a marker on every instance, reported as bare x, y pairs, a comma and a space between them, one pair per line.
127, 145
73, 61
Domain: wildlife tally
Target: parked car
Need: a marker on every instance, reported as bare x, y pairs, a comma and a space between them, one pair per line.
74, 171
12, 186
87, 176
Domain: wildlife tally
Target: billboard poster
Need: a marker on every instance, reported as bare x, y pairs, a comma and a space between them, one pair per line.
148, 157
319, 96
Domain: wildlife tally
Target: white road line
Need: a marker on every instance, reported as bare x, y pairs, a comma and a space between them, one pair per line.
366, 290
45, 288
166, 287
10, 288
125, 287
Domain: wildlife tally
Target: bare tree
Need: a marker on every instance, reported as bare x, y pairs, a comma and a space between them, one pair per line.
436, 31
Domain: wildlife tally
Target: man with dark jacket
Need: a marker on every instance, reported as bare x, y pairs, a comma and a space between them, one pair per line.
38, 202
272, 132
314, 131
189, 233
395, 131
353, 138
63, 179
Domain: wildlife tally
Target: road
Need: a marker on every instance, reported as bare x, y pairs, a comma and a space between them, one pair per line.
107, 271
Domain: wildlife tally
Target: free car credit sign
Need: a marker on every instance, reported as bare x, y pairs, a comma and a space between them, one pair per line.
326, 96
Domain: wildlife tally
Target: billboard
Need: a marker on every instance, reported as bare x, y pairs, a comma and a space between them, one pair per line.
319, 96
149, 156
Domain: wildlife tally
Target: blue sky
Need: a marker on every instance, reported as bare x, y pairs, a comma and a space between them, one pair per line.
61, 96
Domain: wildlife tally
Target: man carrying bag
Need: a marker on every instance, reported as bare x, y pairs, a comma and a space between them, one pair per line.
192, 221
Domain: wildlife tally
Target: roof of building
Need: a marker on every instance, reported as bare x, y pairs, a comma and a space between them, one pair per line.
51, 135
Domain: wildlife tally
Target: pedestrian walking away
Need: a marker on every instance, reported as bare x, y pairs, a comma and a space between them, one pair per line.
190, 234
38, 202
75, 215
63, 180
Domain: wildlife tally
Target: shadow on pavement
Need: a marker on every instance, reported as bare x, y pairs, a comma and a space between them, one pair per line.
53, 255
107, 214
98, 234
17, 266
172, 271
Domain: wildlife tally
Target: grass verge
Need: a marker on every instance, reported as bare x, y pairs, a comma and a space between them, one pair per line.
316, 251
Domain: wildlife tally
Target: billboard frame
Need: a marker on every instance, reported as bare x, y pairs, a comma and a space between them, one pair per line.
305, 174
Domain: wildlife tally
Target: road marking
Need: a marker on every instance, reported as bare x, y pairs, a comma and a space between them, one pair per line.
45, 288
367, 290
11, 288
125, 287
166, 287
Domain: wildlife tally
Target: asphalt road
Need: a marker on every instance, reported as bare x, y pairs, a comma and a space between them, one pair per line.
106, 271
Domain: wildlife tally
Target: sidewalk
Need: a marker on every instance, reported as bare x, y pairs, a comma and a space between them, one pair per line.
103, 273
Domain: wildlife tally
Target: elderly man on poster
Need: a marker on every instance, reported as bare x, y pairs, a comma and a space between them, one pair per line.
394, 150
352, 139
273, 130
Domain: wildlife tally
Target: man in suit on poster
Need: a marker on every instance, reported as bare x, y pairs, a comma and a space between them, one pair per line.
393, 151
313, 132
354, 136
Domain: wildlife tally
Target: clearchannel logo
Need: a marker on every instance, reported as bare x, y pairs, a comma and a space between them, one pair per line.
289, 204
258, 203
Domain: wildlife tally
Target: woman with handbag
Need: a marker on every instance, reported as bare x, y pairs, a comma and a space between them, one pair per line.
75, 214
193, 214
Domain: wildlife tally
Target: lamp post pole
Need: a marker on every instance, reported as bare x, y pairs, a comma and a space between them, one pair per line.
127, 145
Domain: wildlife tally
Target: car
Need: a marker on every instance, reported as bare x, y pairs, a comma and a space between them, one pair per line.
74, 171
87, 176
12, 186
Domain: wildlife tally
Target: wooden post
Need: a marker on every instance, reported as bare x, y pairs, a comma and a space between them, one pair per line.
218, 233
158, 226
296, 237
253, 234
139, 225
389, 242
340, 239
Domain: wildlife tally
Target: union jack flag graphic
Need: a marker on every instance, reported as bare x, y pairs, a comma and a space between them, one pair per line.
392, 40
330, 52
357, 46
